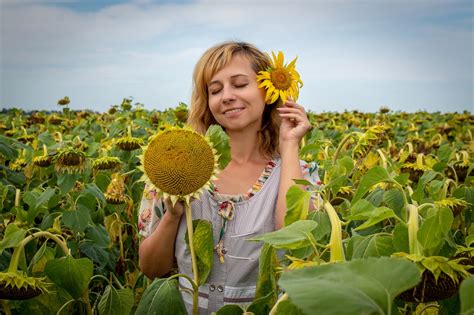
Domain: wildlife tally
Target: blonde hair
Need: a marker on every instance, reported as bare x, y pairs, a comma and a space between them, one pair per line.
212, 61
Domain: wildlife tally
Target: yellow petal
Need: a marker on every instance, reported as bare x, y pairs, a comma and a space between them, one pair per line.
268, 96
274, 60
283, 95
280, 59
275, 97
271, 89
292, 64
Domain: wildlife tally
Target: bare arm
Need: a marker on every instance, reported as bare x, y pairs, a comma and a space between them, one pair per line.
290, 169
294, 125
156, 252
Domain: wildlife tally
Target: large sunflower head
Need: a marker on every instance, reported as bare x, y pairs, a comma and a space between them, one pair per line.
179, 163
280, 80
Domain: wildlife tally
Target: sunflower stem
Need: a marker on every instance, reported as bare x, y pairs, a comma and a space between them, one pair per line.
13, 267
17, 197
335, 243
446, 187
341, 145
414, 246
189, 223
384, 159
282, 298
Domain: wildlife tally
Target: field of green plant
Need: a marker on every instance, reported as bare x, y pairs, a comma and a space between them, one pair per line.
393, 233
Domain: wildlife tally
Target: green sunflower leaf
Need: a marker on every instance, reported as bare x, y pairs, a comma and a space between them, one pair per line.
297, 202
220, 142
116, 302
71, 274
162, 297
292, 236
13, 236
203, 240
366, 286
466, 292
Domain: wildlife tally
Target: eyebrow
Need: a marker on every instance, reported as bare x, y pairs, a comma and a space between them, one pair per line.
232, 77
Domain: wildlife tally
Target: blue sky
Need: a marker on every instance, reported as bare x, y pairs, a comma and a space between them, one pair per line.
407, 55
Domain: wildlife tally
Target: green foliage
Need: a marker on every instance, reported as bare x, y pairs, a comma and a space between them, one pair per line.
374, 245
360, 286
360, 157
267, 277
220, 142
161, 297
13, 236
73, 275
466, 293
297, 202
293, 236
203, 241
116, 302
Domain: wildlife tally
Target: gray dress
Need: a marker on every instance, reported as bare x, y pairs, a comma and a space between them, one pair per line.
234, 281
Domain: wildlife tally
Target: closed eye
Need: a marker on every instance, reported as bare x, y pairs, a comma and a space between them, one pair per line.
241, 85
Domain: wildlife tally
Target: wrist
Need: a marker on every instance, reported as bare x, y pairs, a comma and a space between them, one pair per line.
172, 217
289, 147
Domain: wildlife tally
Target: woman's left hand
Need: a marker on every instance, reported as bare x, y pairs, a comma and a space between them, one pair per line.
294, 122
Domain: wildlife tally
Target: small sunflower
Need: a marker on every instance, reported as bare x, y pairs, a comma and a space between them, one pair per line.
455, 204
55, 119
18, 165
18, 286
179, 163
44, 160
64, 101
280, 80
106, 163
70, 160
129, 142
115, 193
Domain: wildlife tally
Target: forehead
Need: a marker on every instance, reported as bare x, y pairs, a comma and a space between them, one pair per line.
238, 64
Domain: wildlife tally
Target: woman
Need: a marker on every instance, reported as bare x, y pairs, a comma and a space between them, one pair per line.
248, 198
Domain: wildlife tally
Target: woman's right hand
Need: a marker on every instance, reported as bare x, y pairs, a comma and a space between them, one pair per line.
177, 210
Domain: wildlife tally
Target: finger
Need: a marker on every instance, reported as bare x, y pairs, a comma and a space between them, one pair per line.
296, 117
289, 110
296, 113
292, 103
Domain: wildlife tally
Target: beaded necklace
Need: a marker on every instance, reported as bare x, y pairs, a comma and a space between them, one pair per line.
226, 205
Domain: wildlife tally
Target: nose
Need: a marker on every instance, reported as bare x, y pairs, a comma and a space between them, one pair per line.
227, 95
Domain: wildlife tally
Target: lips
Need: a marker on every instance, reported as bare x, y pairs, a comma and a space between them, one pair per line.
233, 110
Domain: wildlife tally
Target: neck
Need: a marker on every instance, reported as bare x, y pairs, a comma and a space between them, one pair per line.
244, 146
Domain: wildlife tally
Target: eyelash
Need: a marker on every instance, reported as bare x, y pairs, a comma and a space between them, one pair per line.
237, 86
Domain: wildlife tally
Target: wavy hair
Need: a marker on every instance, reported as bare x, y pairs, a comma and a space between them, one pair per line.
211, 62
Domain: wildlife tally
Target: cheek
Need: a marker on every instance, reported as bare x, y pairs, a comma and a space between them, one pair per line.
214, 109
212, 104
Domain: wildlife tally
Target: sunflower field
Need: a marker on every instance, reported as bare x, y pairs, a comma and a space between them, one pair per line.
393, 232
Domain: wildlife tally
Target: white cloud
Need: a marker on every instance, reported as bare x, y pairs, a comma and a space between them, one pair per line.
153, 47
